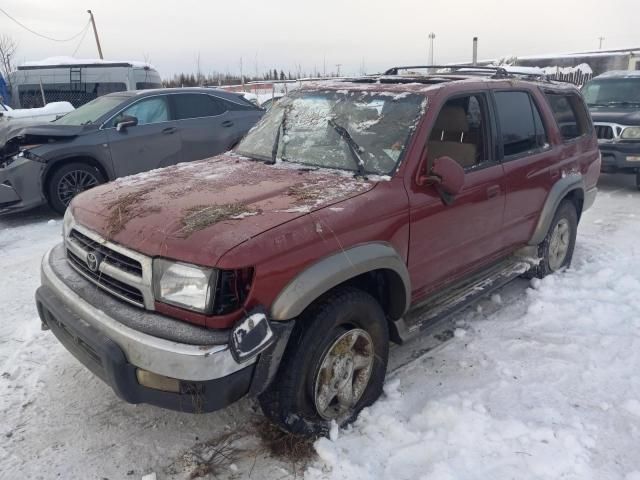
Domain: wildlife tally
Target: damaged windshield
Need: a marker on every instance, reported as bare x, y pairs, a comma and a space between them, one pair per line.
92, 111
365, 132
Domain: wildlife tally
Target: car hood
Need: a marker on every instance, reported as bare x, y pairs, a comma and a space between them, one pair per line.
622, 116
12, 136
195, 212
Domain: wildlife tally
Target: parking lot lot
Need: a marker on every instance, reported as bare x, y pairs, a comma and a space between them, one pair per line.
537, 379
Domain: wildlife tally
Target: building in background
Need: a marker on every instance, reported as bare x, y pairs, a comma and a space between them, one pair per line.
578, 67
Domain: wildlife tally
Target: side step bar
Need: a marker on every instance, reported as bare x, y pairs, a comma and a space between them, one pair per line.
430, 314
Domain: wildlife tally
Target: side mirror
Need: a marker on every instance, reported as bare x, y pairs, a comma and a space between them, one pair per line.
450, 173
125, 122
447, 176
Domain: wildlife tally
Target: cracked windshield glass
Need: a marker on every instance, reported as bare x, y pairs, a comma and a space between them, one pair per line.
357, 131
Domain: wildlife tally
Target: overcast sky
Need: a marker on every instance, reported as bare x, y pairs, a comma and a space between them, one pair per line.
269, 34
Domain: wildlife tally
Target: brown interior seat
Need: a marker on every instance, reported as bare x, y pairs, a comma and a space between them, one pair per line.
448, 137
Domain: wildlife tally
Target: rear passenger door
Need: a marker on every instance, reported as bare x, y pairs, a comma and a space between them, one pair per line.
449, 241
205, 124
527, 157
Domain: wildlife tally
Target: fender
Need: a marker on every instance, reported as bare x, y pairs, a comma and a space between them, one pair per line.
557, 193
335, 269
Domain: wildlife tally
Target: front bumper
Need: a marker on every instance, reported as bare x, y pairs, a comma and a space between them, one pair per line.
20, 186
616, 156
210, 378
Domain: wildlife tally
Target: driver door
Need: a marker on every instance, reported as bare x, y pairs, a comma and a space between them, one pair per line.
154, 142
449, 241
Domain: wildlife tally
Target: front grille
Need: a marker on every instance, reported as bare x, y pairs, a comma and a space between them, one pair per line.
118, 288
604, 132
123, 273
111, 256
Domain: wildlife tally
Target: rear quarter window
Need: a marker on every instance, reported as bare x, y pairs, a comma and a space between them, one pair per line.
240, 103
196, 105
570, 114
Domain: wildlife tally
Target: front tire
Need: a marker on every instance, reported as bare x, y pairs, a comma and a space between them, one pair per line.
556, 251
334, 364
68, 181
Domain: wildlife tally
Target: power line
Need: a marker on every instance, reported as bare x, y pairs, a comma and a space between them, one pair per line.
86, 29
41, 35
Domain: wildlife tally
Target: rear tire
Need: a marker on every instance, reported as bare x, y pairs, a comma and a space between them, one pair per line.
334, 364
68, 181
556, 250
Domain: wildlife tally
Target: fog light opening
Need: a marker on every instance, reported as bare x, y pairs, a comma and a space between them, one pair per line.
157, 382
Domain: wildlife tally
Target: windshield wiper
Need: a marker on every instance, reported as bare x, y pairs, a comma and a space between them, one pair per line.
354, 148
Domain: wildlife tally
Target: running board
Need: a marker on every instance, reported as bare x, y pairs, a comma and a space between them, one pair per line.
431, 314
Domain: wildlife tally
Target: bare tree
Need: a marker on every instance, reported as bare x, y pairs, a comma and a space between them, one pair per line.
8, 47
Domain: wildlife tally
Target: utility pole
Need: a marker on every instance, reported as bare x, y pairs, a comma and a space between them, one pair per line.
600, 39
432, 37
338, 65
95, 32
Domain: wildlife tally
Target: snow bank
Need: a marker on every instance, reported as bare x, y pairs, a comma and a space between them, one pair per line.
547, 387
49, 110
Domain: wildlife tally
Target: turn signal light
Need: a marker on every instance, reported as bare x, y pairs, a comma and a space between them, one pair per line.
157, 382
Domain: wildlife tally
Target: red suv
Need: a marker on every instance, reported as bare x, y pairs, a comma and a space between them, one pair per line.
354, 213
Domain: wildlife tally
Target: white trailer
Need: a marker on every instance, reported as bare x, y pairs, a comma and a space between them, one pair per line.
77, 81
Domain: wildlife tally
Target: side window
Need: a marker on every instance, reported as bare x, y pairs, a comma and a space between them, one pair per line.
460, 131
521, 127
196, 105
570, 113
147, 111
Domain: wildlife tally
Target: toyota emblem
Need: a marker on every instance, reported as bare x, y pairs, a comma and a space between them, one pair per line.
93, 261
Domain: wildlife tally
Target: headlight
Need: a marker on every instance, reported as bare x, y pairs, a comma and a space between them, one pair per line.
184, 285
631, 133
25, 151
67, 222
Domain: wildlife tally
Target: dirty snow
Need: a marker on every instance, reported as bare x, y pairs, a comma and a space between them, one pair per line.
543, 384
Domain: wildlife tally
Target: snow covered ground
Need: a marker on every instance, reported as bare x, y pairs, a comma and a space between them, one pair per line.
539, 381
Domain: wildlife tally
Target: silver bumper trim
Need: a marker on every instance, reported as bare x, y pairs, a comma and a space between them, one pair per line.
164, 357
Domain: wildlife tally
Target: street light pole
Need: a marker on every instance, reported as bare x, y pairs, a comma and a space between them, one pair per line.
601, 39
95, 33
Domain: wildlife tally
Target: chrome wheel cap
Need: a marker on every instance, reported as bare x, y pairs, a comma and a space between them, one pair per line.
559, 244
344, 374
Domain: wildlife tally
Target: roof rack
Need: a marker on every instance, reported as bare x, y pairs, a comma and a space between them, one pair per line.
497, 71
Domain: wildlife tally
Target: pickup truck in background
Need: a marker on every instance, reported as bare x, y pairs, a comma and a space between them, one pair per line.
614, 102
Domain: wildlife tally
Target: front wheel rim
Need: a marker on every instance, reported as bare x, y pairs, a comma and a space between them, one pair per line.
74, 182
344, 374
559, 244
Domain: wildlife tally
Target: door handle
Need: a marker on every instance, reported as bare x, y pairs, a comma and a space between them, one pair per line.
227, 123
169, 130
493, 191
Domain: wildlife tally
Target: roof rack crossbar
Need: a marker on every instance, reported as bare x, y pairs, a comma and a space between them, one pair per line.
498, 71
495, 69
